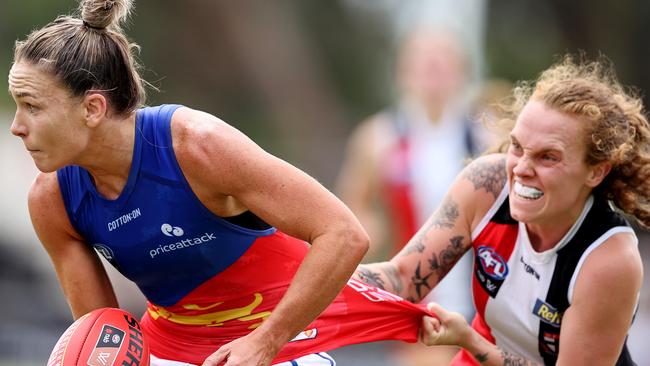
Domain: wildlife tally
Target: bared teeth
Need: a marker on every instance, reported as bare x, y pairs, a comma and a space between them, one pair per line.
527, 192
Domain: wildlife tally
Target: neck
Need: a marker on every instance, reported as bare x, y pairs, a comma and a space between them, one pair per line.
545, 236
109, 155
432, 106
434, 111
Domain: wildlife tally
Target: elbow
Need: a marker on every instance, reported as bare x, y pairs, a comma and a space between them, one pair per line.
356, 242
350, 242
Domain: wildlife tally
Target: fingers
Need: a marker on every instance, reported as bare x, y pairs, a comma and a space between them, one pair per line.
438, 311
428, 326
430, 331
432, 306
217, 357
231, 362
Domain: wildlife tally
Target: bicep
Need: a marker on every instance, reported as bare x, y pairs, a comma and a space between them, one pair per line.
80, 273
223, 162
286, 197
595, 326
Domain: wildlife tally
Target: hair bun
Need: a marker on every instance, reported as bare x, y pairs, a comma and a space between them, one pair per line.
100, 14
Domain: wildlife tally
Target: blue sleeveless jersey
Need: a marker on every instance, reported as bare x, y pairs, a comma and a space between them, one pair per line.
209, 281
156, 233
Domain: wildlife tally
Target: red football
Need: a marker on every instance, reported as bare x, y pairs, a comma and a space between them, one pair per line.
103, 337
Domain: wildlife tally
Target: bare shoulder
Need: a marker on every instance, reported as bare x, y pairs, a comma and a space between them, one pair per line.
202, 140
375, 126
487, 173
44, 190
604, 298
478, 186
46, 207
372, 136
615, 265
192, 127
221, 164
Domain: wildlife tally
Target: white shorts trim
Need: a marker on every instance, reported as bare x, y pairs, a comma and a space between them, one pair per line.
315, 359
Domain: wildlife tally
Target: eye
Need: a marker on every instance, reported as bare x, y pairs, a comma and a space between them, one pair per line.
30, 108
550, 157
515, 147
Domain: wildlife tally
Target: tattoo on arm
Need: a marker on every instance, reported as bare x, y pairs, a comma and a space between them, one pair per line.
439, 264
481, 357
374, 278
420, 281
414, 246
443, 262
444, 218
446, 215
370, 277
487, 175
513, 360
392, 273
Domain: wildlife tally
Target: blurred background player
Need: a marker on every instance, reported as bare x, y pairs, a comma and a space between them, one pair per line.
401, 160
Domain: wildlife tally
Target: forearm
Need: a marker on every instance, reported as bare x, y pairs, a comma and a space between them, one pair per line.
384, 275
84, 282
488, 354
321, 276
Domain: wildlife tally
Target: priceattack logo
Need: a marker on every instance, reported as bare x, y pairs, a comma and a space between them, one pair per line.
169, 230
181, 243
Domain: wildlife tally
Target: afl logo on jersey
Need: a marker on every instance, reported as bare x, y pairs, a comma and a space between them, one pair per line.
492, 263
490, 269
171, 230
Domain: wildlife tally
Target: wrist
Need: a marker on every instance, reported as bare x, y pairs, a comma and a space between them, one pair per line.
477, 345
468, 338
274, 336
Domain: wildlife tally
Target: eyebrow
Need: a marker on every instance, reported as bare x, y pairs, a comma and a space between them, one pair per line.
21, 94
543, 150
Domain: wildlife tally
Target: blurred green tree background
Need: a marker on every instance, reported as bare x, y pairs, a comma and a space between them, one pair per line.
296, 75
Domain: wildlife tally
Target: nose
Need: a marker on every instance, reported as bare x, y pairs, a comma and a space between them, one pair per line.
18, 129
523, 167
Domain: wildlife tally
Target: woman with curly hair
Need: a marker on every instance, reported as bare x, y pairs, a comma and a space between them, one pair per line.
557, 271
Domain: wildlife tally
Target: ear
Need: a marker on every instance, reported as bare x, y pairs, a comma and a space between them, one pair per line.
597, 173
95, 109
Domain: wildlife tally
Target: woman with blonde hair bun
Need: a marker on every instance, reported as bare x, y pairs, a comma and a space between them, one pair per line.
211, 228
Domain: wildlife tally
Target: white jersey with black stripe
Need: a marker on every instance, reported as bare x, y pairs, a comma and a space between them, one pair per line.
521, 294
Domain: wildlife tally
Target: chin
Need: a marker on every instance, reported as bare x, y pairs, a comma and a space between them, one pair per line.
519, 216
45, 168
522, 214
